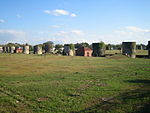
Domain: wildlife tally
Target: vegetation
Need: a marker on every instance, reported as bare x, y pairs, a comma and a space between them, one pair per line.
102, 45
50, 43
58, 48
63, 84
83, 44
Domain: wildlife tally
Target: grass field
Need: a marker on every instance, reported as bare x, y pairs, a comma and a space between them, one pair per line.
138, 52
61, 84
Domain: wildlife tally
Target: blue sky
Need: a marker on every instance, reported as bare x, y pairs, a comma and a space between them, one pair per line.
72, 21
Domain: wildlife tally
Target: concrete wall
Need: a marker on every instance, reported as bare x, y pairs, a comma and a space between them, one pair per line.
149, 49
88, 53
4, 49
67, 51
80, 52
48, 48
12, 49
84, 52
97, 50
37, 49
129, 49
8, 49
26, 50
1, 49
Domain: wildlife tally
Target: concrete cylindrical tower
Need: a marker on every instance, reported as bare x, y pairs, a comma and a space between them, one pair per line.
8, 49
149, 49
4, 49
129, 49
12, 49
48, 48
1, 49
37, 49
26, 49
98, 49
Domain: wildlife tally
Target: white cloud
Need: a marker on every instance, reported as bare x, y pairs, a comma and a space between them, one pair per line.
72, 36
59, 12
77, 32
2, 21
136, 29
129, 33
139, 35
73, 15
12, 36
72, 32
47, 11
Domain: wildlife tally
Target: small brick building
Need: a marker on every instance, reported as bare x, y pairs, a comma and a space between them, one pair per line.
83, 51
18, 50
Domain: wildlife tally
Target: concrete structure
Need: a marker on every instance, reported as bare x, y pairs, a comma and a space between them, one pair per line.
12, 49
1, 49
67, 51
84, 52
19, 50
4, 49
98, 49
140, 47
48, 48
38, 49
149, 49
26, 49
129, 49
8, 49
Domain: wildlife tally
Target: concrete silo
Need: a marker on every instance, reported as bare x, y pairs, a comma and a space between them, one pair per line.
37, 49
129, 49
68, 50
1, 49
98, 49
26, 49
8, 49
48, 48
4, 49
12, 49
149, 49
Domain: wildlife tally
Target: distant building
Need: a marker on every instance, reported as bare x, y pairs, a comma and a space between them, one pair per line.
12, 49
19, 50
68, 51
4, 49
83, 51
98, 49
129, 49
1, 49
38, 49
148, 47
26, 49
48, 48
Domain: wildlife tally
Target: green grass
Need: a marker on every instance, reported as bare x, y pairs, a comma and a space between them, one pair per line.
138, 52
61, 84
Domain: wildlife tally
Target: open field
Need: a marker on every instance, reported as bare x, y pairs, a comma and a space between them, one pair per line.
62, 84
138, 52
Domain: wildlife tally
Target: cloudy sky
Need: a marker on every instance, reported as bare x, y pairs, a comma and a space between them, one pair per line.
72, 21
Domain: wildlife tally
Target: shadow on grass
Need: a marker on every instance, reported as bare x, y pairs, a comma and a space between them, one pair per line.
133, 101
144, 82
142, 56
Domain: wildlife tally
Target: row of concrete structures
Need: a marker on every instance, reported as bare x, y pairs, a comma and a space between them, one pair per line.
128, 49
13, 49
